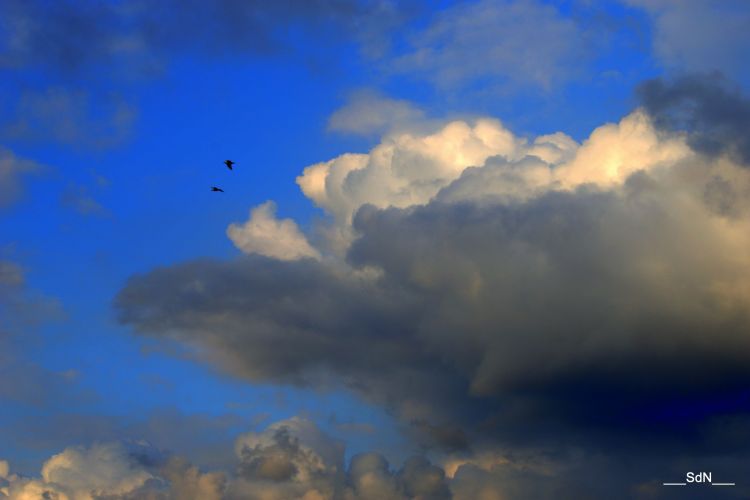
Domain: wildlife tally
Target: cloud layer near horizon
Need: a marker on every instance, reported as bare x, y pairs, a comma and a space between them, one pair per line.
290, 459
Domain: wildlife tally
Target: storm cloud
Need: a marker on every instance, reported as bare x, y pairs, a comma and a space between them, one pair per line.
550, 294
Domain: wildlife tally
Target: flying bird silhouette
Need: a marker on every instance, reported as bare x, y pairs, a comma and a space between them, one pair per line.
214, 188
229, 164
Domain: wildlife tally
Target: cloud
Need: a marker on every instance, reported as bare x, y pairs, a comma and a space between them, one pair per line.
405, 168
22, 379
295, 459
292, 458
699, 35
12, 170
114, 471
206, 439
22, 307
123, 43
263, 234
11, 275
715, 116
410, 168
77, 198
368, 112
135, 36
500, 292
508, 42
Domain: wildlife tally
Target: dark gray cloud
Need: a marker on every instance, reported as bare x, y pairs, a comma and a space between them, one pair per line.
574, 317
714, 114
333, 323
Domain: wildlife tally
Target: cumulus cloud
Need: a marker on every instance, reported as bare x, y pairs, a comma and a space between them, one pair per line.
509, 42
290, 459
295, 459
699, 35
463, 160
263, 234
405, 169
368, 112
493, 290
12, 170
114, 471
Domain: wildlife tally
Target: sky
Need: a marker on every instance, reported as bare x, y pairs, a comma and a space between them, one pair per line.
482, 249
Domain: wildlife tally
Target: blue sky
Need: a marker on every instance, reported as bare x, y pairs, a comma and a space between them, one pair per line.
132, 313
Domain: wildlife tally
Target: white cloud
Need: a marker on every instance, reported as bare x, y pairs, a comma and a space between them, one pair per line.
470, 161
265, 235
405, 169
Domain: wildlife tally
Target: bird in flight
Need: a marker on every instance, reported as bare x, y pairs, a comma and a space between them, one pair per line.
229, 164
214, 188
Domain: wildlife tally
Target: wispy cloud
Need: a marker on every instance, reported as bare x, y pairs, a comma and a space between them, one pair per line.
12, 172
700, 35
501, 42
69, 117
368, 112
